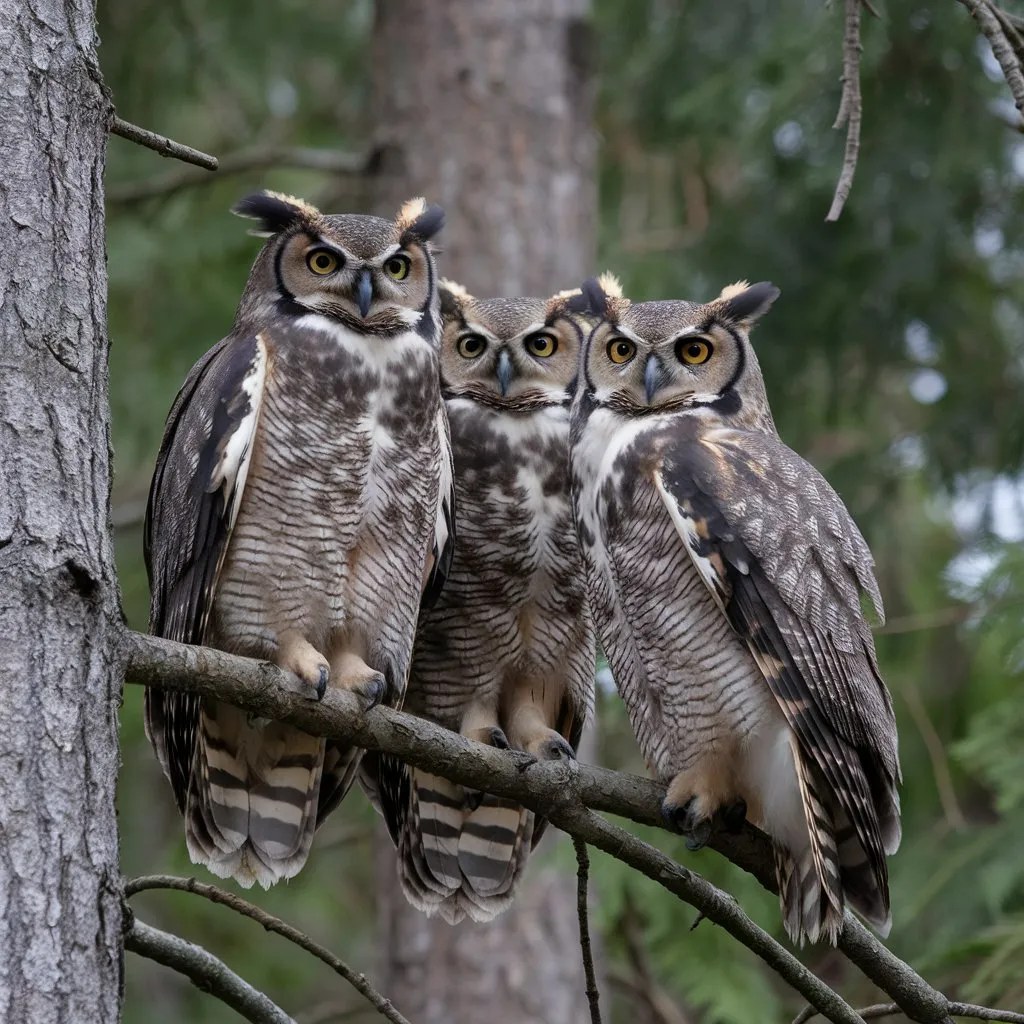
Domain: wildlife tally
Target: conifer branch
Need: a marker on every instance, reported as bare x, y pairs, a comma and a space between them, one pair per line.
162, 145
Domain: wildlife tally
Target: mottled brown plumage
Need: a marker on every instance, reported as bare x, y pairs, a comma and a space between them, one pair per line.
300, 504
726, 579
506, 656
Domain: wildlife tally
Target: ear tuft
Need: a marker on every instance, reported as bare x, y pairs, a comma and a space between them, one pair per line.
417, 222
610, 285
595, 302
747, 304
275, 211
454, 298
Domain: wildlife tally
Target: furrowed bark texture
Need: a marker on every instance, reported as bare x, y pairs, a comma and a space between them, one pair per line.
486, 108
60, 916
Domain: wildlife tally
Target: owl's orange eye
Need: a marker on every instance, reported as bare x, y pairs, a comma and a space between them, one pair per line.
541, 345
621, 350
322, 262
694, 351
471, 345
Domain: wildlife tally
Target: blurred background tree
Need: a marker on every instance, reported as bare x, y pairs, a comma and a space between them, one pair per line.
894, 361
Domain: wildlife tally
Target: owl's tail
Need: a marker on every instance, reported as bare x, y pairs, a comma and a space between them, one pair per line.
460, 854
251, 810
832, 870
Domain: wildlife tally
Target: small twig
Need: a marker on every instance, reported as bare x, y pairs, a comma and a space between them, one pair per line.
989, 23
162, 145
205, 971
871, 9
271, 924
583, 912
879, 1010
260, 158
950, 616
850, 109
936, 754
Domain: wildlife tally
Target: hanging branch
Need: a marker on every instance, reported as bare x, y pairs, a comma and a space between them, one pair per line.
260, 158
272, 924
850, 109
205, 971
995, 25
583, 912
162, 145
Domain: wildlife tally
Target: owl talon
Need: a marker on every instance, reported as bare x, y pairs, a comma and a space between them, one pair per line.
372, 691
321, 682
687, 821
735, 815
558, 748
498, 739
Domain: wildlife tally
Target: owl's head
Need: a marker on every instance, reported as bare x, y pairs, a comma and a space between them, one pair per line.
671, 355
374, 275
509, 353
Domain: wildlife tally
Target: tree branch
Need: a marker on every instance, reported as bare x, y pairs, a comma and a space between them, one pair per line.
849, 107
259, 158
989, 19
879, 1010
583, 912
272, 924
162, 145
205, 971
566, 797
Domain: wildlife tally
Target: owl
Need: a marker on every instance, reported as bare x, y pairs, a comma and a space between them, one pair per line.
725, 578
300, 508
506, 655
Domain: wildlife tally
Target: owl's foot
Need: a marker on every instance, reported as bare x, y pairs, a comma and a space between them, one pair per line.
689, 821
350, 672
498, 738
700, 797
553, 747
298, 656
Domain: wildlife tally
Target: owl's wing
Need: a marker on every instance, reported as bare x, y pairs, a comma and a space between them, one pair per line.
193, 502
439, 562
779, 552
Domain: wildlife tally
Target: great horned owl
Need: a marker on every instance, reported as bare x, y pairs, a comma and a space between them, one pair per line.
297, 512
506, 656
725, 580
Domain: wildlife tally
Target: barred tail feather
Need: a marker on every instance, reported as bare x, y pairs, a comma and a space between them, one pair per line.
861, 885
810, 886
251, 809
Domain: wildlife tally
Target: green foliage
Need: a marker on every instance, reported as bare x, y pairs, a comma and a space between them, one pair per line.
718, 162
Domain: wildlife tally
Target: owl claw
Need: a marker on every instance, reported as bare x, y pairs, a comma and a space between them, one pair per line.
558, 748
499, 739
372, 691
686, 820
321, 682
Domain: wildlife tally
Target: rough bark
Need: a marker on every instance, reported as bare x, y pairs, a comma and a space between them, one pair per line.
60, 915
485, 108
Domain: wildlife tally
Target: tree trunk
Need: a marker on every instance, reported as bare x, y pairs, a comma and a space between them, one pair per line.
485, 108
60, 910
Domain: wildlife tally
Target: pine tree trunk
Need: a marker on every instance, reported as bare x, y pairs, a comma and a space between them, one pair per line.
485, 108
60, 911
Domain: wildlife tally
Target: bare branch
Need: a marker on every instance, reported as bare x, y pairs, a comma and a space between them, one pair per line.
583, 912
990, 24
205, 971
272, 924
849, 107
162, 145
260, 689
259, 158
879, 1010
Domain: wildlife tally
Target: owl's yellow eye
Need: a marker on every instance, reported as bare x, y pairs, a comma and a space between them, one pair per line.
541, 345
322, 262
694, 351
397, 268
621, 350
471, 345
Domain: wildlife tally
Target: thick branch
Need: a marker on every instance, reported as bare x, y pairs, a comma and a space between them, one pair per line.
162, 145
260, 158
849, 107
985, 15
583, 913
260, 689
205, 971
271, 924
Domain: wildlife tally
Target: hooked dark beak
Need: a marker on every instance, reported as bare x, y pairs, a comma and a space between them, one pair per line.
364, 291
654, 376
504, 371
